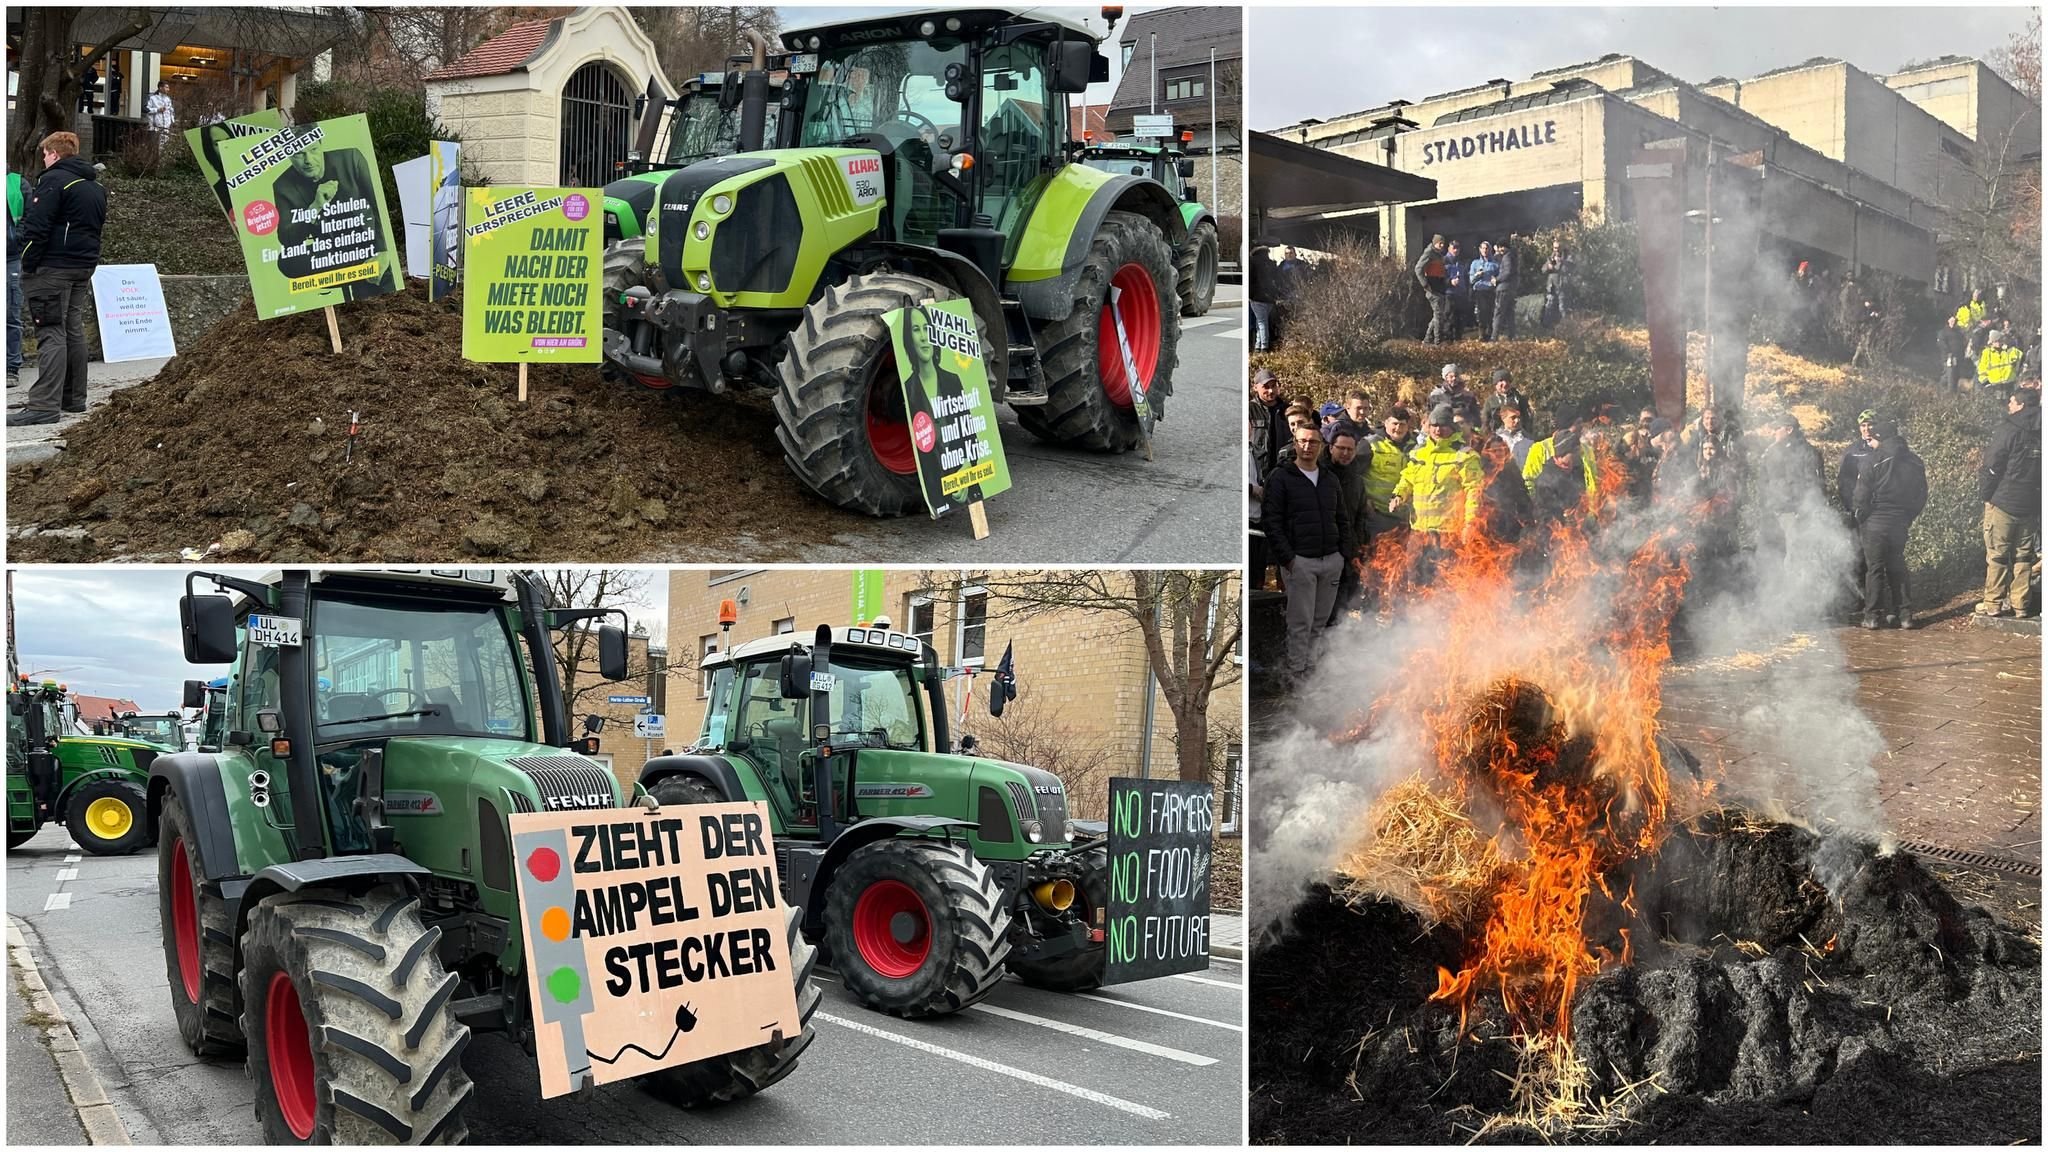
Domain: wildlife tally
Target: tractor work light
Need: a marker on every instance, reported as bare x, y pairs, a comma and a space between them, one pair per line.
816, 43
702, 231
952, 23
857, 636
928, 29
703, 281
722, 203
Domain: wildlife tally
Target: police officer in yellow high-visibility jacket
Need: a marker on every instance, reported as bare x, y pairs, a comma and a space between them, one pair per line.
1442, 480
1998, 366
1972, 312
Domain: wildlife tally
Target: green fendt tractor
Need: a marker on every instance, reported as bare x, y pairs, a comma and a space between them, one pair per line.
1167, 163
92, 785
165, 733
337, 881
931, 162
926, 873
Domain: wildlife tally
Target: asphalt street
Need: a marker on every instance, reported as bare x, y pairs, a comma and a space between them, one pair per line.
1155, 1062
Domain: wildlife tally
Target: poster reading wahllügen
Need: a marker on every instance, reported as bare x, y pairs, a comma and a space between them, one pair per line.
1160, 847
952, 418
653, 939
309, 207
532, 275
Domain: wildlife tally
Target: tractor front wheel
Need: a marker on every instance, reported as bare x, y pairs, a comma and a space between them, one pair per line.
199, 941
1091, 404
1197, 268
737, 1075
351, 1037
1081, 969
917, 927
842, 423
108, 818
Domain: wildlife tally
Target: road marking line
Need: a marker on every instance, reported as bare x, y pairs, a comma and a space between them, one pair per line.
1074, 1090
56, 901
72, 859
1205, 980
1204, 322
73, 847
1098, 1035
1160, 1011
64, 874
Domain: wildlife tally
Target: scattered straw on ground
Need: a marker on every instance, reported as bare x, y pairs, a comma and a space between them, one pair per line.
1423, 851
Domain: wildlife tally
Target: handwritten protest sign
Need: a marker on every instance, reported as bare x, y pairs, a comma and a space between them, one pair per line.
309, 207
653, 939
532, 275
952, 417
134, 325
1160, 844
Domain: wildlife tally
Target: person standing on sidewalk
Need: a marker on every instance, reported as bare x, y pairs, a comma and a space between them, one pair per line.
16, 206
1485, 274
2010, 486
60, 246
1305, 534
1891, 492
1504, 288
1431, 274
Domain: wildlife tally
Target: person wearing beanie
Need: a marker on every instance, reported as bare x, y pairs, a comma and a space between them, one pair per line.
1891, 492
1386, 453
1441, 482
1504, 395
1559, 493
2010, 486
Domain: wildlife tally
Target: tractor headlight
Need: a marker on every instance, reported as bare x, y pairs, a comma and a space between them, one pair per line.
1034, 831
722, 203
703, 281
816, 43
702, 231
1067, 831
928, 29
952, 23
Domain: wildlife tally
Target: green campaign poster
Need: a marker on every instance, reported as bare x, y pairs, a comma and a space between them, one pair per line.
867, 594
532, 275
208, 141
309, 207
945, 391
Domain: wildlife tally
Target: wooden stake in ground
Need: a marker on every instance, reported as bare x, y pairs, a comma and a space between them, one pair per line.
978, 516
333, 329
522, 381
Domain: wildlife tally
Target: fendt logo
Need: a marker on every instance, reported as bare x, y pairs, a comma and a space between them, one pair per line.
593, 800
1046, 789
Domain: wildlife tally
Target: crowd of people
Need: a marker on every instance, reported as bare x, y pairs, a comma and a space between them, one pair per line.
1476, 291
1331, 489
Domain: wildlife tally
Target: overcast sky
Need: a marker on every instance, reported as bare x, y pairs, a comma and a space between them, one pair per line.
1324, 62
114, 631
806, 15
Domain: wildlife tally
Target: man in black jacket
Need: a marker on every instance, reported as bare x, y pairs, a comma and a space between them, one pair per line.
1891, 491
60, 246
1350, 472
1504, 289
2010, 486
1305, 530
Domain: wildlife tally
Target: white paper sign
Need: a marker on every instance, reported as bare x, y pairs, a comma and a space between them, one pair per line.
415, 202
134, 324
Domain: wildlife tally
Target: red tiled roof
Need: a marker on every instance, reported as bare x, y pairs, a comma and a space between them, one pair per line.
102, 707
1088, 118
499, 55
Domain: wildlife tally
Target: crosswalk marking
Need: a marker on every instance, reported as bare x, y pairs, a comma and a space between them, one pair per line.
57, 900
64, 874
1109, 1038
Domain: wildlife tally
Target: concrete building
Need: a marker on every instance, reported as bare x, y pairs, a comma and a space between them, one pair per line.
1857, 172
1167, 70
1082, 676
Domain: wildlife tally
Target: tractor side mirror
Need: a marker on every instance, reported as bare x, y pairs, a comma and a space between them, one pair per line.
968, 743
270, 721
611, 652
593, 724
208, 623
195, 693
795, 676
1073, 66
1186, 167
729, 92
17, 705
1188, 194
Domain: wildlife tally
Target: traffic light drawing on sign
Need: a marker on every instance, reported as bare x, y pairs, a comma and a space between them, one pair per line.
559, 963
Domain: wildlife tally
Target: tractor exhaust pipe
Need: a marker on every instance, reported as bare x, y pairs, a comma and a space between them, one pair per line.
754, 94
1054, 895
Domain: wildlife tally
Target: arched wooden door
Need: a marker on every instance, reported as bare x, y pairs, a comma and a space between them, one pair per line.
596, 126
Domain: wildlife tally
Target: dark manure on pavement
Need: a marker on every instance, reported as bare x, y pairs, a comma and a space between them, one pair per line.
1787, 988
222, 447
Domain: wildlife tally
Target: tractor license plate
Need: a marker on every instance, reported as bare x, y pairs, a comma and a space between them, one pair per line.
275, 631
803, 62
821, 681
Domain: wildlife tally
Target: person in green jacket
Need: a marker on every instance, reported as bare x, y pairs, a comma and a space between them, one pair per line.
16, 205
1442, 481
1541, 451
1386, 455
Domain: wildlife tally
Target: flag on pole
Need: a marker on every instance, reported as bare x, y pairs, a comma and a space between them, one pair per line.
966, 691
1003, 688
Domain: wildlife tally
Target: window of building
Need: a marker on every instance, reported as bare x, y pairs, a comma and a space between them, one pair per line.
1187, 88
706, 645
1230, 797
920, 618
785, 625
1942, 278
970, 628
715, 576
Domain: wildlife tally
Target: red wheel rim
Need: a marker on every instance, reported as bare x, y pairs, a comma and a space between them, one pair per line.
655, 382
888, 431
291, 1055
875, 923
1139, 303
184, 921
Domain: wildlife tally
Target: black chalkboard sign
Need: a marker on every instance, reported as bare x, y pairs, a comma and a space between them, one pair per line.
1160, 843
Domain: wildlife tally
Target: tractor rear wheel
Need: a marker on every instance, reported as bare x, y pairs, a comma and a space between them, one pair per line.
351, 1037
840, 404
108, 818
685, 790
1197, 267
1079, 970
625, 264
737, 1075
917, 927
199, 941
1090, 403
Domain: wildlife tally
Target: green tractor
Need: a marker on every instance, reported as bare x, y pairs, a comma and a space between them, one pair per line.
92, 785
1168, 164
931, 162
926, 872
337, 888
166, 733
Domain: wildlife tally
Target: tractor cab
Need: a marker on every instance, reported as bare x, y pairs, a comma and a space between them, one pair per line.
1164, 161
165, 732
35, 719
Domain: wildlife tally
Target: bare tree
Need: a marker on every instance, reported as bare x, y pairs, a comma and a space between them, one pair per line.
576, 647
52, 77
1034, 736
689, 40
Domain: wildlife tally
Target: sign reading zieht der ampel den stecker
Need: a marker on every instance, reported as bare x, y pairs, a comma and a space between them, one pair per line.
1160, 846
653, 939
532, 275
945, 395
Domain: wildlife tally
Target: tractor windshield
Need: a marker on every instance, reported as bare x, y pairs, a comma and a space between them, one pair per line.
896, 89
163, 730
699, 130
391, 668
873, 706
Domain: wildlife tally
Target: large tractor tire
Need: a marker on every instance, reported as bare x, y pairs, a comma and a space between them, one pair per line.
1079, 970
685, 790
1090, 402
199, 940
346, 1007
1197, 268
625, 264
840, 406
917, 927
108, 817
737, 1075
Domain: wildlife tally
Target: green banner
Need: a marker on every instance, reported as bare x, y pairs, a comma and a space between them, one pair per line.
309, 206
208, 141
532, 275
867, 594
945, 392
